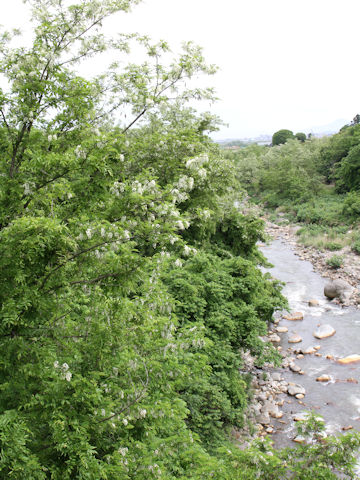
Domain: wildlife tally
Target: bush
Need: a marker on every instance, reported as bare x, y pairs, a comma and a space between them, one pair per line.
356, 247
351, 206
336, 261
333, 246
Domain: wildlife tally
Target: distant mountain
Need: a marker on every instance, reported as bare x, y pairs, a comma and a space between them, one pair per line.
329, 128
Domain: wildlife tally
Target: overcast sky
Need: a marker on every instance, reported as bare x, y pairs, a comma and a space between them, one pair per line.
283, 63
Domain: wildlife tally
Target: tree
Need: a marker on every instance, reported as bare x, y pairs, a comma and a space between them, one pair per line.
281, 136
300, 136
98, 214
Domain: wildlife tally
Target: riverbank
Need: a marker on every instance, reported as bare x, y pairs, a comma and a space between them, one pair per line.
348, 272
310, 376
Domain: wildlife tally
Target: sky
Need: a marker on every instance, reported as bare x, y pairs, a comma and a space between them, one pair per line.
282, 63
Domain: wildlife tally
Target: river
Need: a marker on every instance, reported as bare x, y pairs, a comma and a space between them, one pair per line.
337, 401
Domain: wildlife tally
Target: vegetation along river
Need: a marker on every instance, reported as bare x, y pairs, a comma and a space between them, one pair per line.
338, 398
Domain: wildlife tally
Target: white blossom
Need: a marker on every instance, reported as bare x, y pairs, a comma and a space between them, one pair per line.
56, 364
68, 376
180, 225
89, 233
123, 451
125, 421
65, 367
178, 263
142, 413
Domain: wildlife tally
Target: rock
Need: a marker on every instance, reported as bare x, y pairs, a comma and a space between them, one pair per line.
269, 430
295, 368
352, 380
349, 359
282, 329
294, 316
300, 356
338, 289
299, 439
324, 331
308, 351
299, 396
349, 427
330, 357
301, 416
263, 418
313, 303
317, 347
275, 338
276, 376
323, 378
295, 389
295, 339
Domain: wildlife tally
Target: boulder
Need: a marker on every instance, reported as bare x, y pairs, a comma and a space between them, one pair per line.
313, 303
294, 316
282, 329
349, 359
308, 351
295, 389
274, 338
338, 289
294, 367
295, 339
324, 331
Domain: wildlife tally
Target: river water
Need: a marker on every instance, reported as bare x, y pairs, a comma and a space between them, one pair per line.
337, 401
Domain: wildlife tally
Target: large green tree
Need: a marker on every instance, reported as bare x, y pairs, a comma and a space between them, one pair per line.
111, 195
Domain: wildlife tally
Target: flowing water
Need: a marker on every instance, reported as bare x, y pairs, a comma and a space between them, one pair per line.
338, 401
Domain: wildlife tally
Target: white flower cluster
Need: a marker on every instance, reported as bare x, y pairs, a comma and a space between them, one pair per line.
178, 196
199, 343
147, 186
51, 138
28, 188
117, 188
64, 371
196, 165
182, 224
205, 214
185, 183
123, 451
197, 162
79, 152
188, 250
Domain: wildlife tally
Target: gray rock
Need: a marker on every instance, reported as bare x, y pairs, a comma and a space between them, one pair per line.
295, 338
324, 331
263, 418
295, 368
296, 390
338, 289
276, 376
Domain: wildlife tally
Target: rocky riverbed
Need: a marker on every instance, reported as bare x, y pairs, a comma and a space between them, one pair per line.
349, 272
319, 341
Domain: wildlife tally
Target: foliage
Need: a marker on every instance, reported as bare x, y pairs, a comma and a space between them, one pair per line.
348, 171
282, 136
334, 151
228, 300
336, 261
129, 282
351, 206
300, 136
